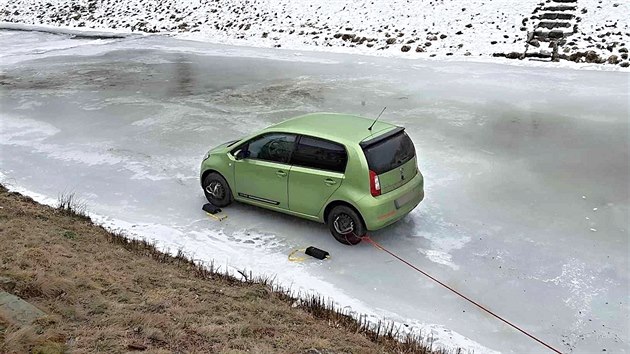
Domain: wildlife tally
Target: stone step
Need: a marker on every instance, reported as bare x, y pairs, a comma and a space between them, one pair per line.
517, 55
556, 16
545, 35
540, 55
559, 8
17, 311
552, 25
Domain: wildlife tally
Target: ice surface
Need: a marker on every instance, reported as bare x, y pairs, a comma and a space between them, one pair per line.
507, 152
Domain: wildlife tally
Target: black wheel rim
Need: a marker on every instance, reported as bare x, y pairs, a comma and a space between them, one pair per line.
215, 190
343, 224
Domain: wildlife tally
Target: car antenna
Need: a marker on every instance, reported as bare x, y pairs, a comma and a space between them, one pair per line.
379, 116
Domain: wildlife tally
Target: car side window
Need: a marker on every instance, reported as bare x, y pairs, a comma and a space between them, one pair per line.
276, 147
320, 154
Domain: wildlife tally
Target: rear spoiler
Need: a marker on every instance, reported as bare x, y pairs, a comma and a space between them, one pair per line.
367, 143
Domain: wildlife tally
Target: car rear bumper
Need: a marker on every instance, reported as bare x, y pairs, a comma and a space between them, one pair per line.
386, 209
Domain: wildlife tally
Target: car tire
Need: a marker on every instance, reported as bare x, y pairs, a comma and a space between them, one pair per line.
217, 190
346, 219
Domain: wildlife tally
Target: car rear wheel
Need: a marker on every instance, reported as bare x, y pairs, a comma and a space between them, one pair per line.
217, 190
346, 225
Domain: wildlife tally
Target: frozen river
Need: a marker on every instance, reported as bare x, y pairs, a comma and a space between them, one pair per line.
526, 174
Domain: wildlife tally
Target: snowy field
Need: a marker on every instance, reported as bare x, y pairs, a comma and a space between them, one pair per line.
526, 171
441, 29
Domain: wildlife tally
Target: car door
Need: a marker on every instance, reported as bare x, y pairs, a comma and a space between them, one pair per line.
317, 171
261, 176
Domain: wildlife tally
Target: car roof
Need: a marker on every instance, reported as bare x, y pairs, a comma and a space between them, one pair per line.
343, 128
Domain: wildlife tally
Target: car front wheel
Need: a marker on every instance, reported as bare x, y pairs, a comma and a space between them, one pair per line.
346, 225
217, 190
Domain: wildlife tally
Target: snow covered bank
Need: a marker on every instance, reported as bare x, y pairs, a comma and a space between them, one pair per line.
405, 28
76, 32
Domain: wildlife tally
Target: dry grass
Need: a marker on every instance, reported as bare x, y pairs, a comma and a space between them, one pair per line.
107, 293
69, 204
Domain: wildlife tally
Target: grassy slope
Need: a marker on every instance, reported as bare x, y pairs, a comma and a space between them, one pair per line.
104, 294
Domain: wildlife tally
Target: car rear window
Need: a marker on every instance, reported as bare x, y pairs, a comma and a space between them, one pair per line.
320, 154
390, 153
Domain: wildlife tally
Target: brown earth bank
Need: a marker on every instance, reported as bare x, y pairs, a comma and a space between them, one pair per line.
104, 292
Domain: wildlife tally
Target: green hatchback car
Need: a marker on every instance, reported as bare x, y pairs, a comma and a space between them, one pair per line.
324, 167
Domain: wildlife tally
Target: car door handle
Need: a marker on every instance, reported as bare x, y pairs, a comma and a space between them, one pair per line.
330, 182
281, 173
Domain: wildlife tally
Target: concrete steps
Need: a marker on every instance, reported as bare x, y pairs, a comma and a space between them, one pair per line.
551, 27
553, 21
557, 20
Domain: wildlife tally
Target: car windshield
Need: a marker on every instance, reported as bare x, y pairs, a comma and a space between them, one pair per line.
390, 153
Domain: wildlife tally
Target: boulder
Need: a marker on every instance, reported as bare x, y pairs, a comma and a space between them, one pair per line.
7, 284
17, 311
613, 59
592, 57
575, 57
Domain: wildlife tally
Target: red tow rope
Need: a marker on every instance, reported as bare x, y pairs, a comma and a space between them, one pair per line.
379, 246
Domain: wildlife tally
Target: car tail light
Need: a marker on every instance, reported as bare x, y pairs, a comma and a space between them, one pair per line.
375, 184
